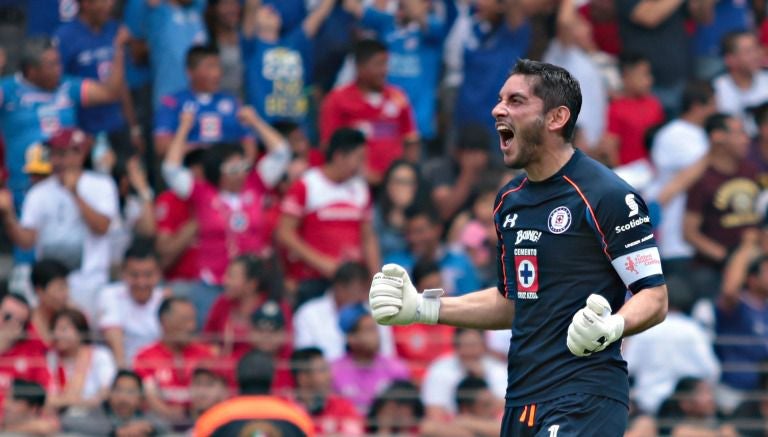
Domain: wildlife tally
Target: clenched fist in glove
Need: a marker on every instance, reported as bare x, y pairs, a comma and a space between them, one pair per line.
594, 327
395, 301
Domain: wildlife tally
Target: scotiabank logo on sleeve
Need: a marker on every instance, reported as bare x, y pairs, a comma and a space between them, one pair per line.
638, 265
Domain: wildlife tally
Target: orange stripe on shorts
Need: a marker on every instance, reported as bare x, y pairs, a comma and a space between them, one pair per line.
525, 411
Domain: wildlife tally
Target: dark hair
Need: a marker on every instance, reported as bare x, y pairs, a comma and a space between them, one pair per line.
130, 374
754, 266
286, 127
696, 92
458, 332
366, 49
629, 60
300, 359
141, 249
344, 141
194, 157
266, 271
32, 50
78, 320
167, 305
254, 267
197, 53
717, 122
423, 268
255, 371
730, 41
402, 392
47, 270
425, 210
349, 272
28, 391
555, 87
467, 390
671, 409
384, 203
215, 156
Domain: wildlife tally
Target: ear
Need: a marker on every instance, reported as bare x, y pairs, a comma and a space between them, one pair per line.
557, 118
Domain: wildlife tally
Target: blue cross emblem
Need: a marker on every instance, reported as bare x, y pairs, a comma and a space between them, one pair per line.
526, 273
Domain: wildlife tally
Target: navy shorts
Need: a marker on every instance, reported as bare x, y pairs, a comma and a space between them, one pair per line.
576, 415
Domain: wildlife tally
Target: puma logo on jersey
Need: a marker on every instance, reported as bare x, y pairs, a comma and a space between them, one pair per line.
509, 221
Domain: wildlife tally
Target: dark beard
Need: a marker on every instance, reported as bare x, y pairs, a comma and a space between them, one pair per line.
529, 140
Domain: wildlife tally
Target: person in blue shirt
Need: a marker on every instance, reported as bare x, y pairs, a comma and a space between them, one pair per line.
414, 36
45, 16
172, 27
572, 239
85, 46
724, 17
276, 68
423, 229
216, 111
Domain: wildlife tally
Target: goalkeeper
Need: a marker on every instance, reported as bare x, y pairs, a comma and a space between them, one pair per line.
572, 239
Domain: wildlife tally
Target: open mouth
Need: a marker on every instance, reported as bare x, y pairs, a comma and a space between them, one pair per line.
506, 134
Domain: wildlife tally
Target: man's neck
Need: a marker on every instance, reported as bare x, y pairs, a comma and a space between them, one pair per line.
742, 79
92, 23
693, 117
268, 36
331, 173
551, 160
723, 163
362, 358
367, 88
174, 346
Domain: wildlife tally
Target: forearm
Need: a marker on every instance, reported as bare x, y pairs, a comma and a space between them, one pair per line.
115, 83
705, 245
306, 253
317, 17
650, 13
19, 235
484, 309
735, 273
146, 224
171, 246
644, 310
177, 147
97, 223
114, 339
412, 148
371, 249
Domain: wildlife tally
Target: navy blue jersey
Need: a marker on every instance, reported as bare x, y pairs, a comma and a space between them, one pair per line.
581, 231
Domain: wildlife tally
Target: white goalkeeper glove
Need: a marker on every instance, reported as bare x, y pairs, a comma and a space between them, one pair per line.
593, 327
395, 301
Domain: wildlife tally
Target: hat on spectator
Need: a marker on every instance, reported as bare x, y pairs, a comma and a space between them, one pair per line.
350, 315
37, 160
66, 138
268, 316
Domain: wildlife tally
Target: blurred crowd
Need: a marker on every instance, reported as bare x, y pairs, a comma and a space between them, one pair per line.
187, 181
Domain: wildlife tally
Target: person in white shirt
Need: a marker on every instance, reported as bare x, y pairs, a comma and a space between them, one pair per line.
744, 84
444, 374
127, 310
66, 217
677, 146
316, 323
676, 348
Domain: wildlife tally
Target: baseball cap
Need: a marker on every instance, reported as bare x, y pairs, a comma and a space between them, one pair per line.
37, 160
268, 316
350, 315
66, 138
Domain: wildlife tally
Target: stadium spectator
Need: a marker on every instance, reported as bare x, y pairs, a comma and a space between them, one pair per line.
691, 410
414, 36
758, 152
217, 116
397, 410
670, 158
171, 28
601, 15
223, 18
423, 232
248, 284
66, 217
326, 218
49, 280
85, 45
675, 348
444, 374
229, 203
744, 84
166, 366
127, 316
750, 415
632, 114
401, 187
721, 204
23, 413
478, 412
720, 19
379, 110
277, 67
122, 414
363, 372
207, 388
136, 214
331, 413
316, 322
81, 372
20, 358
453, 178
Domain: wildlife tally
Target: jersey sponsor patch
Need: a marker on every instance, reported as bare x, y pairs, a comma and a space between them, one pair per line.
559, 220
527, 273
638, 265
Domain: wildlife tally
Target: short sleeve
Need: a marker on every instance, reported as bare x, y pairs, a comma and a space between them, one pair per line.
166, 116
624, 226
104, 367
101, 195
78, 89
295, 200
32, 215
167, 213
407, 119
109, 315
133, 17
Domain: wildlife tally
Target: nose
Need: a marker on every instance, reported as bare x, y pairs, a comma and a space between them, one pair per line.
499, 110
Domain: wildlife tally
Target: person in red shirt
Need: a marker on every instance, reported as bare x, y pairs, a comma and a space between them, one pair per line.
326, 218
331, 414
49, 280
20, 358
381, 111
166, 366
632, 114
248, 285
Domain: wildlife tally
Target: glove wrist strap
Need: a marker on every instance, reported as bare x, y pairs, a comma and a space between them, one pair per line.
429, 308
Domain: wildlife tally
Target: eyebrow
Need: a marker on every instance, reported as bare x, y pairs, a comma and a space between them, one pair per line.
513, 95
